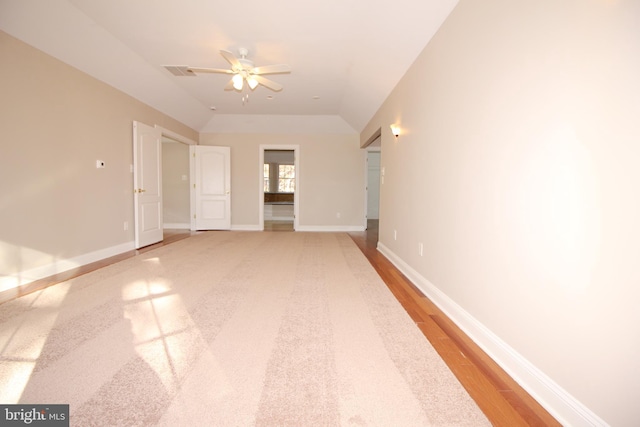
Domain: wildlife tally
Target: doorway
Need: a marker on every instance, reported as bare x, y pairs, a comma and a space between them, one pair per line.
279, 187
176, 209
373, 178
148, 179
373, 188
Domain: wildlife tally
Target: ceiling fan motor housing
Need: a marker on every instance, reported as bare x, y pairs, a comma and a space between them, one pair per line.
246, 63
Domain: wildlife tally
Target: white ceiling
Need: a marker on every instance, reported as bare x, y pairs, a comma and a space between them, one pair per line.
349, 53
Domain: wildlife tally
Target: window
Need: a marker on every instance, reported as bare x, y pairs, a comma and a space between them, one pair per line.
267, 183
286, 178
279, 171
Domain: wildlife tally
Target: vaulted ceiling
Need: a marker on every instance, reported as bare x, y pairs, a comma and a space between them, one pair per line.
345, 55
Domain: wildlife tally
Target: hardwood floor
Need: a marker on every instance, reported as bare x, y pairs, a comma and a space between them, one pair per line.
502, 400
278, 225
170, 236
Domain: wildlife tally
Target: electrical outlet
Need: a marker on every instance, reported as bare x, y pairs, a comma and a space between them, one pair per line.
420, 248
395, 234
337, 214
126, 225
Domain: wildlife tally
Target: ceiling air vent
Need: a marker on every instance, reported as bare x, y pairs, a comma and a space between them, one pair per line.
180, 70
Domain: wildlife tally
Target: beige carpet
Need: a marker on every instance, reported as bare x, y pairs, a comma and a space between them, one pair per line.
230, 329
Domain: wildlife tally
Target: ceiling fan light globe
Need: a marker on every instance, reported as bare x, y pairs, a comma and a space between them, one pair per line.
253, 83
237, 82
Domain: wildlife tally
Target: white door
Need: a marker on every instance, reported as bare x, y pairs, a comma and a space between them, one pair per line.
147, 184
212, 187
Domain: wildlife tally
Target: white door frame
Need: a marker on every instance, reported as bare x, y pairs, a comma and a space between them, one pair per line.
175, 136
296, 195
184, 140
367, 147
169, 138
366, 181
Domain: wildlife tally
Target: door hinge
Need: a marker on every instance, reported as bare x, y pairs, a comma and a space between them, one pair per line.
194, 186
194, 216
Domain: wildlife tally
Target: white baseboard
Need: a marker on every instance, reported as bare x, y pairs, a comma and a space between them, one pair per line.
560, 404
310, 228
330, 228
177, 225
59, 266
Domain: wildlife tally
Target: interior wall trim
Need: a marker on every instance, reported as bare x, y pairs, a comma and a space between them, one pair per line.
557, 401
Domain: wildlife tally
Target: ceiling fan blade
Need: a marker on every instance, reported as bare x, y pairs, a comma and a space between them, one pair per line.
268, 83
209, 70
272, 69
229, 86
230, 57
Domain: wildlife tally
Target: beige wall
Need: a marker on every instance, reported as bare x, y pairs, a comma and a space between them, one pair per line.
56, 122
517, 168
330, 179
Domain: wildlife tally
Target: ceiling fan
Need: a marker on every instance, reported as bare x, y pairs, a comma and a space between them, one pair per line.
242, 70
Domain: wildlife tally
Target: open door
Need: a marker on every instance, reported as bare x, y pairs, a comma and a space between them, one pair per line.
147, 184
211, 187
